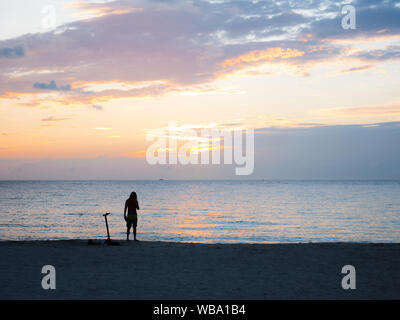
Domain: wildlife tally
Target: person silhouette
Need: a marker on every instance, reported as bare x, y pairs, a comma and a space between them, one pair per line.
131, 205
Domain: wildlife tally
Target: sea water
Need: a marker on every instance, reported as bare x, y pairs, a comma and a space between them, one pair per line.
204, 211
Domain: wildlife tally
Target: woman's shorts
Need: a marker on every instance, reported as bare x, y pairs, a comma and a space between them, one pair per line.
131, 220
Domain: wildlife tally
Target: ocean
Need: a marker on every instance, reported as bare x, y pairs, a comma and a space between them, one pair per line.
204, 211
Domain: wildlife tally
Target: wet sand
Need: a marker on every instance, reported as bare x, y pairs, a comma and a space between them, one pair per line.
167, 270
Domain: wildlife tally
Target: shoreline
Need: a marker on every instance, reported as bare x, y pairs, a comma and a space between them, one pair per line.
184, 270
123, 241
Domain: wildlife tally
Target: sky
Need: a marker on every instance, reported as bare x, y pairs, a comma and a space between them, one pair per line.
82, 83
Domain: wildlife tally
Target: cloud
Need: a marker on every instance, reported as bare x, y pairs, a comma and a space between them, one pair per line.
51, 86
384, 110
389, 53
12, 52
201, 90
355, 69
369, 111
192, 43
262, 56
95, 10
344, 152
97, 107
51, 118
371, 18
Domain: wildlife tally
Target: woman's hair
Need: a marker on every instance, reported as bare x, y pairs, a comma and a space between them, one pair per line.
133, 196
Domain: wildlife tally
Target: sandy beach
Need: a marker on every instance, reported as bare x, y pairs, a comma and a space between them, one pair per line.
166, 270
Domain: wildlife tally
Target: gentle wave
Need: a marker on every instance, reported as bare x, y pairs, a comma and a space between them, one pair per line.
204, 211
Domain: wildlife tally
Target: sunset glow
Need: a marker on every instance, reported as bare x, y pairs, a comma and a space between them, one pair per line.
93, 83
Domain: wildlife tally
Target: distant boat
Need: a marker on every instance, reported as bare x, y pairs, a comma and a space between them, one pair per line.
161, 179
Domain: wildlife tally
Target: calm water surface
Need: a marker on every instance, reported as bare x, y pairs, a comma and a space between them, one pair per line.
204, 211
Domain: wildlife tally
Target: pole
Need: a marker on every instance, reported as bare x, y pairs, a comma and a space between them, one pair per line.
108, 232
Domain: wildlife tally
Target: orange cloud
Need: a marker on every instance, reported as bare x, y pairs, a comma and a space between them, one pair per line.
383, 31
259, 56
89, 93
368, 111
96, 10
390, 110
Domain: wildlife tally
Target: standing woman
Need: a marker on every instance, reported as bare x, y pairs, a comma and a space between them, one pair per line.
131, 220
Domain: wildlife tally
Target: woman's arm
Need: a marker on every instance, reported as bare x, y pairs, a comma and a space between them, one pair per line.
137, 205
126, 207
